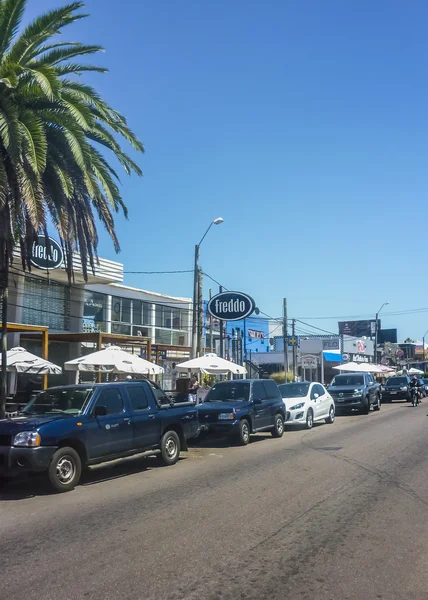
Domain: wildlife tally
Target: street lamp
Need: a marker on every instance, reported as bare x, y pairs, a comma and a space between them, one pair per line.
376, 329
196, 308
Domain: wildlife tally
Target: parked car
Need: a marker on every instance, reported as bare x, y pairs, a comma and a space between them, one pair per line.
355, 391
64, 429
397, 388
307, 403
241, 407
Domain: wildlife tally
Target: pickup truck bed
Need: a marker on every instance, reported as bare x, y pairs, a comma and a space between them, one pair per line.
67, 428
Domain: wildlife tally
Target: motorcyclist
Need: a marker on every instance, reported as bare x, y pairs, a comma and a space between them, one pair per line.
414, 383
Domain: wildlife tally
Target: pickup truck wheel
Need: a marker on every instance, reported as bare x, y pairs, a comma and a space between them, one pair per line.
170, 448
378, 404
244, 432
64, 470
331, 415
278, 428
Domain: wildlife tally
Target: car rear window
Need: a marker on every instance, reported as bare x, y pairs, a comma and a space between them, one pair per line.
397, 381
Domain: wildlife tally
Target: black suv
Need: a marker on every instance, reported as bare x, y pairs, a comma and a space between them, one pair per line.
397, 388
355, 390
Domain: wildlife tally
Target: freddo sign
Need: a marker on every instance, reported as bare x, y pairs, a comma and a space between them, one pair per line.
231, 306
44, 258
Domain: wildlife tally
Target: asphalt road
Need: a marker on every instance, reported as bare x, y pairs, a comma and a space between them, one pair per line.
339, 512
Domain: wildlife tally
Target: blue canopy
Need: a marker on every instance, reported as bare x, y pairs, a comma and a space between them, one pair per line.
332, 357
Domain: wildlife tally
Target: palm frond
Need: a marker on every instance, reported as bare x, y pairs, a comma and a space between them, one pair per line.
11, 12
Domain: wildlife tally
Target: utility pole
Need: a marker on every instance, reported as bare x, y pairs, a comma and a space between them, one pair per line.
211, 328
285, 336
195, 303
293, 332
220, 289
200, 323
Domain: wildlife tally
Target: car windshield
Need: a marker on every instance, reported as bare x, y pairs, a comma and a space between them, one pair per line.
425, 381
397, 381
294, 390
69, 401
348, 380
224, 392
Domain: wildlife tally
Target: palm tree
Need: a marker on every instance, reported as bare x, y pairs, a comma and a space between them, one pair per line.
55, 134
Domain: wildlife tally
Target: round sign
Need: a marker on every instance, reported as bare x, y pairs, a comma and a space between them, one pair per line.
231, 306
345, 357
44, 258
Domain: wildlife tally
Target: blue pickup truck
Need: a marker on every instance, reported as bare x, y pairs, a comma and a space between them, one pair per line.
64, 429
241, 407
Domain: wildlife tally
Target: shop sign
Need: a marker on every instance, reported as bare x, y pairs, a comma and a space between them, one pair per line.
360, 358
44, 258
331, 344
253, 333
231, 306
309, 361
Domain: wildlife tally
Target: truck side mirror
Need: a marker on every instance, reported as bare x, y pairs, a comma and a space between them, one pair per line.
100, 411
257, 401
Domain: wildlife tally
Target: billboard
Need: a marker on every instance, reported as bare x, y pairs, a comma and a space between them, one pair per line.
387, 335
358, 328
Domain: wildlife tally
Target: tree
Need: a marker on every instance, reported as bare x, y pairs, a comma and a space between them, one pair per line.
54, 133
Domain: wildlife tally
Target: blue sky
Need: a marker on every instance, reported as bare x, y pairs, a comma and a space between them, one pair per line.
302, 123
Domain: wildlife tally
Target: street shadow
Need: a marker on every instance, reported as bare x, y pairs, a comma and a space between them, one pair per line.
32, 486
211, 441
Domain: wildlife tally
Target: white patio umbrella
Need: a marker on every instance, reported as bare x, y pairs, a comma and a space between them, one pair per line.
211, 364
19, 360
414, 371
351, 366
113, 360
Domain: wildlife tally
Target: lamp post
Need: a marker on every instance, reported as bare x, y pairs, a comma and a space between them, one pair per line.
376, 329
196, 294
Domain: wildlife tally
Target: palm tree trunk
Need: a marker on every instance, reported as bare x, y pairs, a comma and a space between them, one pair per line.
3, 374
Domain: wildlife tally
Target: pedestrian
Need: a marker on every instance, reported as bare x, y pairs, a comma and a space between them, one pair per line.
193, 388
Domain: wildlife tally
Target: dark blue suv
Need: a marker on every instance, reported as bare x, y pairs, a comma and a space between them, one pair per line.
241, 407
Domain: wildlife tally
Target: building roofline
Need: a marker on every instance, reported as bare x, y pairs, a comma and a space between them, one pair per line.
150, 293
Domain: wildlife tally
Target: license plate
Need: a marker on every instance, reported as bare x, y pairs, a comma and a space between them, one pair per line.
204, 427
340, 400
393, 393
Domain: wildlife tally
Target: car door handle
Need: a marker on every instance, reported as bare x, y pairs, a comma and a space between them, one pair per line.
127, 420
151, 416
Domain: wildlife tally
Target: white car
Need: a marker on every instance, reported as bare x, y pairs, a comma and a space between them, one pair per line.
306, 403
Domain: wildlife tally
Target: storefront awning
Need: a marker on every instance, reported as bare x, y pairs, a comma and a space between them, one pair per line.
332, 357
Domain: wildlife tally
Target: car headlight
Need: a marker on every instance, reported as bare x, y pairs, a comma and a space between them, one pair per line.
30, 439
357, 393
403, 388
297, 406
226, 416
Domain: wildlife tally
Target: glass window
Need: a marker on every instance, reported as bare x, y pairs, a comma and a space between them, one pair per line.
126, 310
176, 318
160, 396
271, 389
348, 380
67, 400
163, 336
112, 400
138, 397
229, 390
94, 311
46, 303
121, 328
179, 338
258, 391
140, 331
116, 310
294, 390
